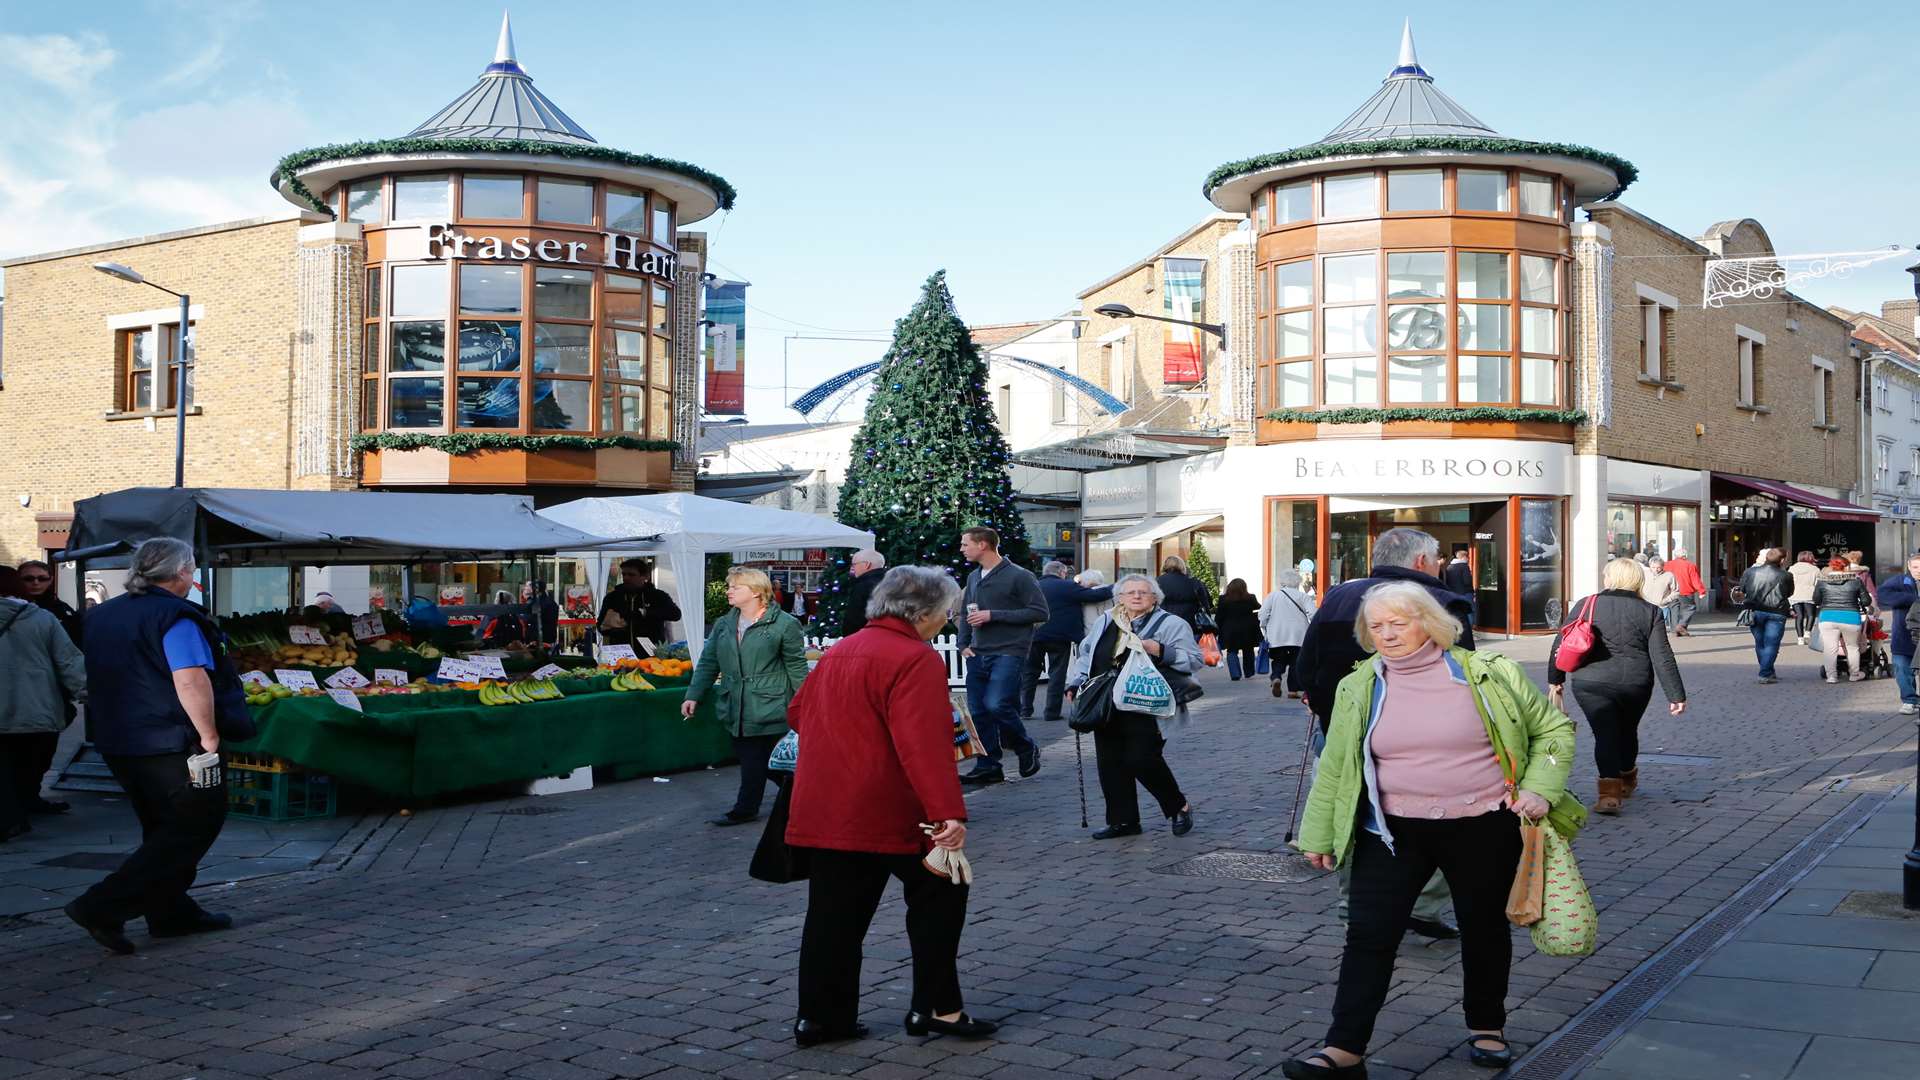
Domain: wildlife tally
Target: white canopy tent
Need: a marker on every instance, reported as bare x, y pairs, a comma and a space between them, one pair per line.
689, 526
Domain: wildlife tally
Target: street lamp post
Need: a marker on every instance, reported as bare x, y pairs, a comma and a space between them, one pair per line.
128, 273
1910, 870
1122, 311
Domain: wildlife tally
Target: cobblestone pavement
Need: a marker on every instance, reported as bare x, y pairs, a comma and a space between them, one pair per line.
612, 933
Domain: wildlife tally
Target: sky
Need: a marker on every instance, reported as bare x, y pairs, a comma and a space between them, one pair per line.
1029, 149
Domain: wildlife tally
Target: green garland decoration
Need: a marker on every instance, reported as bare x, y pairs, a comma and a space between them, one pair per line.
471, 442
1390, 416
1622, 168
284, 173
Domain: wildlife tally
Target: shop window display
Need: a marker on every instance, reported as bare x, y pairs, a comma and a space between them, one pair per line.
1541, 565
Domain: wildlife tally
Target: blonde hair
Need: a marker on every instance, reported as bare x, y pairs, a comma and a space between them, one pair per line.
1414, 601
757, 580
1622, 574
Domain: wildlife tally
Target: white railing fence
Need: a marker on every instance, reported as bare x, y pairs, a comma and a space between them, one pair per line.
947, 645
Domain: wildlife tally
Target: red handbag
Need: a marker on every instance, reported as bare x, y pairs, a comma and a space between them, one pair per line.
1576, 640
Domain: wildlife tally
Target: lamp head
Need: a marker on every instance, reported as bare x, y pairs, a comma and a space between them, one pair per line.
1114, 311
121, 271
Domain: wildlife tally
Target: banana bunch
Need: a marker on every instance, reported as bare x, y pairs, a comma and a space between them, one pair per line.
525, 692
629, 681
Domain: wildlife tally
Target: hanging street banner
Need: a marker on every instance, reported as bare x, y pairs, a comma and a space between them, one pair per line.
1184, 289
727, 347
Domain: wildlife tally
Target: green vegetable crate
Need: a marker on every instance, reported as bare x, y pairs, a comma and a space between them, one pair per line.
261, 787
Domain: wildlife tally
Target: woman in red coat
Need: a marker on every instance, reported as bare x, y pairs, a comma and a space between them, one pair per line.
876, 761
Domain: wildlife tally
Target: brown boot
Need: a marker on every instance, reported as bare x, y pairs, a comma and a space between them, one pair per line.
1609, 800
1630, 782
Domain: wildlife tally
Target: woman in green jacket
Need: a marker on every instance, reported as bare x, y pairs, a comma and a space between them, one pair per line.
757, 658
1414, 777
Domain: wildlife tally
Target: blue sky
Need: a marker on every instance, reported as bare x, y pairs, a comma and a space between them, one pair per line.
1028, 148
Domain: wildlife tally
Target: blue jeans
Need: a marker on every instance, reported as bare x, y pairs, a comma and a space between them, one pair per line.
1903, 675
1768, 627
993, 697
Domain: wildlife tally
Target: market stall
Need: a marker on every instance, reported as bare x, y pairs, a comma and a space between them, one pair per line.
688, 527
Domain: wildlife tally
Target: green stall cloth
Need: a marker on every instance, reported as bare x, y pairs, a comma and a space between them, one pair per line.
420, 745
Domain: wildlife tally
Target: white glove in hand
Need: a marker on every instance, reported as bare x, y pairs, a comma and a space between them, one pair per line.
950, 863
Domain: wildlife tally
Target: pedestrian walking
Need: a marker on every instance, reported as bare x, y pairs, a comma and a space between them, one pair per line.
1806, 574
1898, 594
1239, 617
160, 691
1842, 603
1614, 682
1186, 598
1053, 640
1091, 611
1409, 784
1130, 747
868, 567
877, 773
1857, 566
44, 671
1659, 588
1003, 604
1768, 589
1687, 583
1284, 615
754, 661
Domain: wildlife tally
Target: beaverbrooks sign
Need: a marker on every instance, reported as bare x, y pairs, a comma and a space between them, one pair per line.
616, 251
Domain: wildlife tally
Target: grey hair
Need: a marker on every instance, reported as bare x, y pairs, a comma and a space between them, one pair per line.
1402, 547
1287, 579
1159, 594
1054, 568
869, 556
914, 593
1093, 579
162, 558
1172, 564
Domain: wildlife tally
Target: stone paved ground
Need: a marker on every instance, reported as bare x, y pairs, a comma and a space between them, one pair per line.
620, 937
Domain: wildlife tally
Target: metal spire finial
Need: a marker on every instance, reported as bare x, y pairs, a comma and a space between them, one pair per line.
503, 52
1409, 62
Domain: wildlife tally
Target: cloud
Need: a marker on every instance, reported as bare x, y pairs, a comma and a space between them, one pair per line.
68, 64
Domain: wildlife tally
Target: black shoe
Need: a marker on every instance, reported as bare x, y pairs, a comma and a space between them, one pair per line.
983, 776
1182, 821
733, 818
1279, 688
1489, 1059
202, 923
812, 1033
923, 1024
1113, 831
1029, 760
110, 935
49, 806
12, 831
1306, 1069
1437, 929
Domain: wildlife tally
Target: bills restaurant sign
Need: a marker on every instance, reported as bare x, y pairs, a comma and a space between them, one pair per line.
613, 251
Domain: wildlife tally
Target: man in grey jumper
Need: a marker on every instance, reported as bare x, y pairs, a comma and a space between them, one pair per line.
1003, 604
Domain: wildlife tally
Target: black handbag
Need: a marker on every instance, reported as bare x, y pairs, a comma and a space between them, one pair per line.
775, 860
1093, 702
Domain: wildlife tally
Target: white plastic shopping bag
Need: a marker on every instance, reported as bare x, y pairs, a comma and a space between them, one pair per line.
1141, 688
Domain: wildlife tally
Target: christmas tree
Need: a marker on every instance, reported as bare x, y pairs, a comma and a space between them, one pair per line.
929, 460
1200, 568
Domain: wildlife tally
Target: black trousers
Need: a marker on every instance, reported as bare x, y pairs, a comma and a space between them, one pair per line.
1803, 619
1055, 655
178, 823
1614, 712
753, 752
1279, 659
23, 763
843, 891
1128, 750
1478, 857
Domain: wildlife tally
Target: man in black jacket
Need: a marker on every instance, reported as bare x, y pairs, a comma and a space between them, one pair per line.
636, 609
1053, 640
1769, 591
867, 568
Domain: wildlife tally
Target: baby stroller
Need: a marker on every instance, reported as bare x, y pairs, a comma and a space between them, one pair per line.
1876, 661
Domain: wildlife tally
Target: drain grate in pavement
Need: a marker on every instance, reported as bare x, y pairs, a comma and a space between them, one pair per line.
1245, 866
13, 922
1581, 1042
88, 860
530, 811
1690, 760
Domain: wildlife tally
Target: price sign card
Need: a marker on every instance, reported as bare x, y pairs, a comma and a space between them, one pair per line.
386, 676
455, 670
487, 667
296, 680
346, 699
548, 671
305, 635
346, 679
368, 626
652, 649
611, 653
255, 678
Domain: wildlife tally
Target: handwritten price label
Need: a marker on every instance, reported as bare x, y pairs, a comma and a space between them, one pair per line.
296, 680
368, 626
549, 671
487, 667
389, 677
305, 635
453, 670
256, 678
346, 699
346, 679
610, 653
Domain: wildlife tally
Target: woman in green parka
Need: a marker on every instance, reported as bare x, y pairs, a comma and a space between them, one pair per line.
1433, 756
754, 660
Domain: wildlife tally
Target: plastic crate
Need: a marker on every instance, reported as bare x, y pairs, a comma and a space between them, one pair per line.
283, 794
259, 763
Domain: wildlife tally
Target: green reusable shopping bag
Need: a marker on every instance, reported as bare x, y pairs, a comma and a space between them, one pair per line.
1568, 924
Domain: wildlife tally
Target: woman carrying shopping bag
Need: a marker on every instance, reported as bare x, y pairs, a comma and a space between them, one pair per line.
1128, 748
1410, 782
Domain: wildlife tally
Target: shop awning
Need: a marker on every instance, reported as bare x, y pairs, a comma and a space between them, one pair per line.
1118, 449
1147, 532
1824, 505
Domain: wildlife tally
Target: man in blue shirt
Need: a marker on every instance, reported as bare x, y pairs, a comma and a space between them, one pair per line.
158, 694
1897, 596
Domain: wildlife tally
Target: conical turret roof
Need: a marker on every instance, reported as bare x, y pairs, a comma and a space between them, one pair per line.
504, 104
1407, 103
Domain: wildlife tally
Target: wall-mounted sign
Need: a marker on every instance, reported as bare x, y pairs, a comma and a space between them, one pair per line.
1404, 467
615, 251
